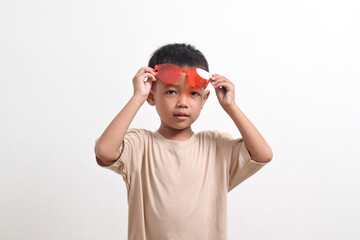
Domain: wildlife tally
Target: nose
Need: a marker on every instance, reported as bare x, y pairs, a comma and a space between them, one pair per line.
182, 100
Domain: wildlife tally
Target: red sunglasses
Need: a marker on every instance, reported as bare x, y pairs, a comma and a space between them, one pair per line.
170, 73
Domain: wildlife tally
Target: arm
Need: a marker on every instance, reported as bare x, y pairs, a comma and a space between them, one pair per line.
258, 148
107, 148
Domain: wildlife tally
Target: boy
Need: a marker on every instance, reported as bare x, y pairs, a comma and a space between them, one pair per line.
177, 180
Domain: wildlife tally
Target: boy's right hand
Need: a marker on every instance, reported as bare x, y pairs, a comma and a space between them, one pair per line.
142, 81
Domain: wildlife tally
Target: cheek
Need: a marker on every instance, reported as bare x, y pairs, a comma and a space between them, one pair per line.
162, 107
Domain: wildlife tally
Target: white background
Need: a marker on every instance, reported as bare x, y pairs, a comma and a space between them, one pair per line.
66, 70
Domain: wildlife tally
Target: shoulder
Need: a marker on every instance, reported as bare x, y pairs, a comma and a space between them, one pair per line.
138, 131
215, 134
223, 141
137, 137
138, 134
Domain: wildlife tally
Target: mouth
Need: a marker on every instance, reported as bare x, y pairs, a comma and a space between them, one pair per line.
181, 116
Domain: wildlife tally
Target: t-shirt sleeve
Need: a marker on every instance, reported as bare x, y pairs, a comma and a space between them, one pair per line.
240, 166
130, 154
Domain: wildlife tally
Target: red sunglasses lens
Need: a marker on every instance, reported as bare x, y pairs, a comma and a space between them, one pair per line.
195, 80
169, 73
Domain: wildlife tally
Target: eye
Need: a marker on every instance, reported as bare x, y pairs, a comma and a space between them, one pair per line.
195, 94
171, 92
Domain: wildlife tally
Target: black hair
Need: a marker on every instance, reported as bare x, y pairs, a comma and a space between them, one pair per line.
180, 54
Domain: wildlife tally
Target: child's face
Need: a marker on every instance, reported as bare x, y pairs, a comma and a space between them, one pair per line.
178, 104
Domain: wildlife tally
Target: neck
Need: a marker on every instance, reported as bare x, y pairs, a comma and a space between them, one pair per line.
175, 134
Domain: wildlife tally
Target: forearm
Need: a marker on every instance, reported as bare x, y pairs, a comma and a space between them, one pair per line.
259, 150
107, 146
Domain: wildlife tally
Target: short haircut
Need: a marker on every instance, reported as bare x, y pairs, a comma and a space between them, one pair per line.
180, 54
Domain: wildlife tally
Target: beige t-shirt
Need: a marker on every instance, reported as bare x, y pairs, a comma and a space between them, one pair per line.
177, 190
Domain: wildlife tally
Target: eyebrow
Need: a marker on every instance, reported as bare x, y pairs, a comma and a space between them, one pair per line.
171, 85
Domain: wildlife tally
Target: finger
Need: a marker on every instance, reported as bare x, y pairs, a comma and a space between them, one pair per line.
146, 76
146, 70
219, 78
219, 81
223, 84
216, 76
149, 70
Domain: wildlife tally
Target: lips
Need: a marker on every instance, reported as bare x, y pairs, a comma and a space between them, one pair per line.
181, 115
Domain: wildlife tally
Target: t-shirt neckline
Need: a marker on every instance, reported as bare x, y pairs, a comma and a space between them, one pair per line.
173, 143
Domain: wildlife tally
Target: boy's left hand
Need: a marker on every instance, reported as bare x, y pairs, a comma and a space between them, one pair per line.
225, 94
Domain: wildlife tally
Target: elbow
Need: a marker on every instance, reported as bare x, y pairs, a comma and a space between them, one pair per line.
103, 158
265, 158
269, 157
98, 157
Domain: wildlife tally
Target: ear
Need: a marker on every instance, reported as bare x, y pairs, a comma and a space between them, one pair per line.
150, 98
206, 96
